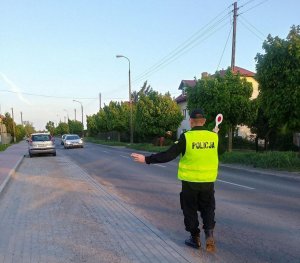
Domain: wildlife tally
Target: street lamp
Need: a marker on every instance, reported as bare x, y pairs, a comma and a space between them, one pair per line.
67, 113
13, 123
81, 116
130, 100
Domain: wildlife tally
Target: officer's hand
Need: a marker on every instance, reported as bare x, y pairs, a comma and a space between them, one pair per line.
138, 157
216, 129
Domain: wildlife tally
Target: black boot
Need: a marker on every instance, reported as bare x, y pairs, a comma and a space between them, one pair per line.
193, 241
210, 242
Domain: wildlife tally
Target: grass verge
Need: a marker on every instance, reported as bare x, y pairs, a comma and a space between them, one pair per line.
137, 146
3, 147
289, 161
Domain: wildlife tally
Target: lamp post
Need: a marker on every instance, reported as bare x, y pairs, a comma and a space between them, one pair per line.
13, 123
67, 113
130, 100
81, 116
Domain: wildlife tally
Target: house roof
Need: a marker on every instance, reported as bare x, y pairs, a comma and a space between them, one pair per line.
181, 98
242, 71
192, 83
187, 83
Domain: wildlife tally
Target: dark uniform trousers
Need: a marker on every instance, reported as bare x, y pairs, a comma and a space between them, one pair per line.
198, 197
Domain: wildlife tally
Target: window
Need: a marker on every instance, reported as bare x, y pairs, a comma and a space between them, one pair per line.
184, 113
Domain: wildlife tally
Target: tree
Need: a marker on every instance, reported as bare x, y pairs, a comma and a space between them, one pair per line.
75, 127
145, 90
156, 114
62, 128
50, 127
278, 74
117, 115
20, 132
8, 122
229, 94
28, 126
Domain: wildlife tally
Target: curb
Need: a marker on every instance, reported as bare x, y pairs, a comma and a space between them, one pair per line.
11, 172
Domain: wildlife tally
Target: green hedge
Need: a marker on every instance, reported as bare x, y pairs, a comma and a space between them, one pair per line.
272, 160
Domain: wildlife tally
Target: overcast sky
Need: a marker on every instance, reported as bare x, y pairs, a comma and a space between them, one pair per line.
66, 49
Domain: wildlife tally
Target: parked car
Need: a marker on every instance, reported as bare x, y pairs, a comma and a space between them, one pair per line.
63, 139
41, 143
73, 141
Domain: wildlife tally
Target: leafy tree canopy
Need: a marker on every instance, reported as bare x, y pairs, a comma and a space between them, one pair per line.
156, 114
229, 94
278, 74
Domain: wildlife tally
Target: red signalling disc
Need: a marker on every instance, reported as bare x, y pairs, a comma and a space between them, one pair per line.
219, 119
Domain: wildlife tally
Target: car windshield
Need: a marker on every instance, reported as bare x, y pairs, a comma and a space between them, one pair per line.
73, 137
41, 137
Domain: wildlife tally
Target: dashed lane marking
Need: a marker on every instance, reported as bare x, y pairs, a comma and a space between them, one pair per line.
160, 165
247, 187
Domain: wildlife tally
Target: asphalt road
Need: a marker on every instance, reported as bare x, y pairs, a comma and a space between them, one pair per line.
258, 216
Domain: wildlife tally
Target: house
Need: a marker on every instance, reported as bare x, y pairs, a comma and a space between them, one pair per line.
181, 100
5, 138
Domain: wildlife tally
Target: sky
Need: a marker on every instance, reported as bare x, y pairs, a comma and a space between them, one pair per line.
54, 52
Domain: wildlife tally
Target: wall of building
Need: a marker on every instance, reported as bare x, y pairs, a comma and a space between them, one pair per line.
185, 124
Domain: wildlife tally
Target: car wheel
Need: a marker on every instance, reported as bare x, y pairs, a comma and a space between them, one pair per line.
54, 154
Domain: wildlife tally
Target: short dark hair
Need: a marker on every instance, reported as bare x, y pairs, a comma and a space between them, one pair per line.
197, 114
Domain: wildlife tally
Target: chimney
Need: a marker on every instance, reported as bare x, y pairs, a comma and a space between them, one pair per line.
204, 75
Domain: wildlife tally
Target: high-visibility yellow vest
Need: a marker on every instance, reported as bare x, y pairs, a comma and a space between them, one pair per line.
200, 161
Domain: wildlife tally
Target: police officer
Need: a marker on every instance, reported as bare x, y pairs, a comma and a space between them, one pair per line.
197, 169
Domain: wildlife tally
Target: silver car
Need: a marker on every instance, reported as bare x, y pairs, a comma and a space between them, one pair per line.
39, 143
73, 141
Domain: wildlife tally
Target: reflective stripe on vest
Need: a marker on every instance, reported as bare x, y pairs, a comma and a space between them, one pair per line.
200, 161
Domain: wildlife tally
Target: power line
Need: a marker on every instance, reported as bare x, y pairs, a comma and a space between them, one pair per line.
255, 28
248, 2
260, 3
46, 96
224, 48
183, 50
258, 36
182, 46
175, 58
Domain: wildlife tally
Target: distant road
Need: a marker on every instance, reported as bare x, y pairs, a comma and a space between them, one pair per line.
258, 216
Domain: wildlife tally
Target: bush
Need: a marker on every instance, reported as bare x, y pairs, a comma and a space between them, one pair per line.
274, 160
3, 147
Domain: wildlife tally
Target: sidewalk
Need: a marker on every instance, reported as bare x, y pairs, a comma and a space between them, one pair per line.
70, 217
10, 159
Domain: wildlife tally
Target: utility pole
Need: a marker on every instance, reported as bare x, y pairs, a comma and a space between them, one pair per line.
75, 114
21, 118
234, 35
14, 127
235, 8
99, 101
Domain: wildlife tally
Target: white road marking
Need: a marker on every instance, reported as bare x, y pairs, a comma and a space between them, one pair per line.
105, 151
127, 157
236, 184
160, 165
